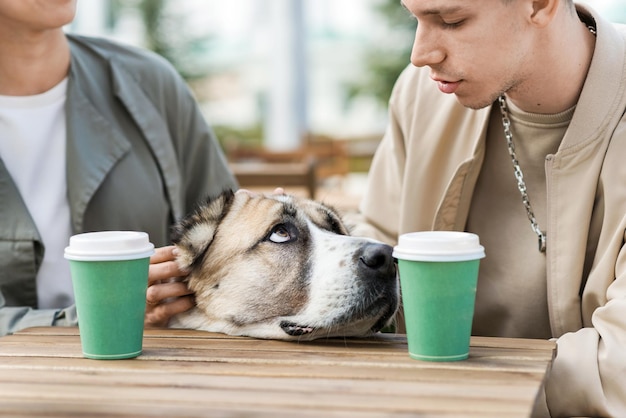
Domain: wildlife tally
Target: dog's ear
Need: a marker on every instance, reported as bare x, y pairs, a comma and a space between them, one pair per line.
193, 234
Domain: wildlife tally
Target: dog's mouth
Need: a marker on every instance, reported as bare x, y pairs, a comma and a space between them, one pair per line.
296, 330
382, 310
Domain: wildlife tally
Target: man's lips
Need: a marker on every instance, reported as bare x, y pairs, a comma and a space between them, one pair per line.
447, 87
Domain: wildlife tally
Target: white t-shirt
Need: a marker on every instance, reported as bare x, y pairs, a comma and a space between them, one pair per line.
32, 147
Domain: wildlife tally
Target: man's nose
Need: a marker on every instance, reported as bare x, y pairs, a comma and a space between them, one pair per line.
427, 49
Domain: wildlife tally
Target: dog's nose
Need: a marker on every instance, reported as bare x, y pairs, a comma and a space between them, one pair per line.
376, 257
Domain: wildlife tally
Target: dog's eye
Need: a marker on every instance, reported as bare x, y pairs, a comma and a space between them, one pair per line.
279, 234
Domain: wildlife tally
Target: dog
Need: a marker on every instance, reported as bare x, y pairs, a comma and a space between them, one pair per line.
277, 266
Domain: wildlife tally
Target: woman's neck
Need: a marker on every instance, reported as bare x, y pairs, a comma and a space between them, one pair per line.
33, 63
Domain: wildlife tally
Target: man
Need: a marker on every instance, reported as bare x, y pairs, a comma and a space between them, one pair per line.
510, 124
93, 136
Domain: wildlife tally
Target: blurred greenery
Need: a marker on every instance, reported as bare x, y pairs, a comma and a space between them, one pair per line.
165, 33
385, 62
230, 137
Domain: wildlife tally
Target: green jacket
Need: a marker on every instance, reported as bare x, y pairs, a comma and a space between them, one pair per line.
139, 156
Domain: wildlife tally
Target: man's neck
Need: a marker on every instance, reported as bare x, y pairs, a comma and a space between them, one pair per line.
33, 64
562, 64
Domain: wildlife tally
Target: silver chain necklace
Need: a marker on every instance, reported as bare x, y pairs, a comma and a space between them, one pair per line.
519, 176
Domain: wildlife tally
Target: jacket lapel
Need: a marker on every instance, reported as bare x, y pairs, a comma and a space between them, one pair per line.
454, 207
93, 148
153, 127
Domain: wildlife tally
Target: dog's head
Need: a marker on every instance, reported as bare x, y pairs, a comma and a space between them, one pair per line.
282, 267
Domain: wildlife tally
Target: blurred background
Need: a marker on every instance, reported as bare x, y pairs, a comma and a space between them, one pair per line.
296, 90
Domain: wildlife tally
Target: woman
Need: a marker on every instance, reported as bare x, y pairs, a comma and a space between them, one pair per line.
93, 136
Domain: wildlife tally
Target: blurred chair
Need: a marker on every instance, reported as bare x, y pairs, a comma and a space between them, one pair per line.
274, 174
318, 159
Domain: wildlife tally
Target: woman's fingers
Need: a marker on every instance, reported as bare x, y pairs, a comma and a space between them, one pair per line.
165, 300
163, 271
167, 294
163, 265
162, 254
159, 315
159, 293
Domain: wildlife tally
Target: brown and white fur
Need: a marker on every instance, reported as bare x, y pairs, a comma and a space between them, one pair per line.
281, 267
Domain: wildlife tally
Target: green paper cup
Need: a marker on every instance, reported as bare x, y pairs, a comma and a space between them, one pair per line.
110, 277
438, 276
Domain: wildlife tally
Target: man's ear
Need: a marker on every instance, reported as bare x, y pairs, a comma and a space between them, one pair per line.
543, 11
193, 235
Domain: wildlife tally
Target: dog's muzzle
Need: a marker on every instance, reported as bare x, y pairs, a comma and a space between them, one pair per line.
378, 300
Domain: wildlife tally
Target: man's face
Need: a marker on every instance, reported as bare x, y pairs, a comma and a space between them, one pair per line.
476, 49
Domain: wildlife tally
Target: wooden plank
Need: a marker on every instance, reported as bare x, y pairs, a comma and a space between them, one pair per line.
267, 363
476, 341
379, 343
290, 355
308, 371
389, 354
152, 378
61, 409
513, 343
351, 371
278, 393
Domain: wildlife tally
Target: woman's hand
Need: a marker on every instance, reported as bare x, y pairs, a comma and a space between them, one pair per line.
167, 293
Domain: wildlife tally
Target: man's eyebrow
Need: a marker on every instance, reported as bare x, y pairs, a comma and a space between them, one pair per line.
440, 11
443, 11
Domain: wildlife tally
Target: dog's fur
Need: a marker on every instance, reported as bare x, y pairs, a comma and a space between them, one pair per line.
281, 267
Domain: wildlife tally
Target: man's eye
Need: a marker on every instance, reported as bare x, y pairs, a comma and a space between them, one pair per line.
452, 25
279, 234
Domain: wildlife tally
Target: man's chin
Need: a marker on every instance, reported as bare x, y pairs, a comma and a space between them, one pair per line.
475, 103
475, 100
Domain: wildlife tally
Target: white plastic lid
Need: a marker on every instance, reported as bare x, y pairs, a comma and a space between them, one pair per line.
109, 245
438, 246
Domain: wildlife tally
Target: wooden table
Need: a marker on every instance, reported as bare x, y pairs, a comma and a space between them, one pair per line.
184, 373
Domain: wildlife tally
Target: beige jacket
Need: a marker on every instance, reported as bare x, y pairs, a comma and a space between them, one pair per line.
422, 178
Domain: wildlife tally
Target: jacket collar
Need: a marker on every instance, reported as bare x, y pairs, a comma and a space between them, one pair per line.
599, 101
155, 131
93, 145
